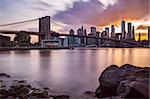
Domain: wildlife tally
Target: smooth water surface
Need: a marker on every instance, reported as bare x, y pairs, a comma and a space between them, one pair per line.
74, 71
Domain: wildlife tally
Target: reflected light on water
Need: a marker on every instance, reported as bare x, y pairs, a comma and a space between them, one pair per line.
73, 71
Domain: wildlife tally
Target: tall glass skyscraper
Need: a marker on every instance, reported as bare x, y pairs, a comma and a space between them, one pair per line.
123, 29
112, 31
149, 35
129, 35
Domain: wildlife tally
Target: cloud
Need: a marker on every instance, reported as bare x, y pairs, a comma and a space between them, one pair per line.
93, 12
40, 5
142, 27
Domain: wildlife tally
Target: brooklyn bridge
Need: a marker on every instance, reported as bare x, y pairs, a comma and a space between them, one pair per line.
45, 33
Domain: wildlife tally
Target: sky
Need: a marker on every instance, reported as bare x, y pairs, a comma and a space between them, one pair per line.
74, 13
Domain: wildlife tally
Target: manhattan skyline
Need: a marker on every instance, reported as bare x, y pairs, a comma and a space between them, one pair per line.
74, 13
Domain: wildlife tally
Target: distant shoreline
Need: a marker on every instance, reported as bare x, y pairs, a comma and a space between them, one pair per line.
57, 48
31, 48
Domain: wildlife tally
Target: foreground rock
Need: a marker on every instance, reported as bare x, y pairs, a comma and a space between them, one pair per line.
23, 90
126, 81
4, 75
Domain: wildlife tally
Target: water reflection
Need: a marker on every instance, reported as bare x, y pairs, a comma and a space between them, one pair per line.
68, 70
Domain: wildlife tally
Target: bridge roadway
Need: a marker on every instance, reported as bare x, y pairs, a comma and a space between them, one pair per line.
56, 34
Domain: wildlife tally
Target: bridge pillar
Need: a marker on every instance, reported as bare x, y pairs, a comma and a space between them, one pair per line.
44, 28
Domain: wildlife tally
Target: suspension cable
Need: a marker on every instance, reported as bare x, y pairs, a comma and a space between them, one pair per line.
3, 25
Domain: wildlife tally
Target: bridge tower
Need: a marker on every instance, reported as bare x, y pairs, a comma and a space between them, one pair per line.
44, 28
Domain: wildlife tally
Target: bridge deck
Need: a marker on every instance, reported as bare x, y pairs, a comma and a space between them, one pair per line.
37, 33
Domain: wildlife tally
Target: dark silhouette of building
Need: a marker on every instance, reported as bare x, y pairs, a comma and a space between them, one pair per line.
112, 31
4, 41
82, 32
149, 35
129, 31
123, 29
44, 28
71, 39
94, 33
104, 34
107, 32
133, 33
139, 37
93, 30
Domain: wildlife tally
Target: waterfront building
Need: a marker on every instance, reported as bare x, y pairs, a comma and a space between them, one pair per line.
4, 41
129, 31
91, 41
123, 29
93, 30
107, 32
139, 37
82, 32
112, 31
149, 35
71, 39
118, 36
133, 33
104, 34
54, 41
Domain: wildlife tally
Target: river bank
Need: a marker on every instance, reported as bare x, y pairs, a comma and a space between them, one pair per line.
125, 82
31, 48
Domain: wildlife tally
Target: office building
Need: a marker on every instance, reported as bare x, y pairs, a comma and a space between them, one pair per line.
107, 32
112, 31
93, 30
139, 37
4, 41
91, 41
104, 34
71, 40
123, 29
129, 34
149, 35
82, 32
133, 33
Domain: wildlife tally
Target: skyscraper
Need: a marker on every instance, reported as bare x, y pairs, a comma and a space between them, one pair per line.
93, 30
129, 34
71, 39
133, 34
112, 31
107, 31
149, 35
82, 32
123, 29
139, 40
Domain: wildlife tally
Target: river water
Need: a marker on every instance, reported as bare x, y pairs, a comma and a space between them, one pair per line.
74, 71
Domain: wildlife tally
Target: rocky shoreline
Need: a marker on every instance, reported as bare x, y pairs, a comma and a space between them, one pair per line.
125, 82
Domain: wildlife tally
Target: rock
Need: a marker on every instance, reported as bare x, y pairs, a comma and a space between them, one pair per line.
109, 80
90, 93
134, 89
20, 91
46, 88
3, 93
3, 86
39, 94
1, 81
22, 81
61, 97
127, 81
4, 75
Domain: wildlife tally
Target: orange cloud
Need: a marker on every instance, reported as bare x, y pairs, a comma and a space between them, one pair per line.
142, 27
